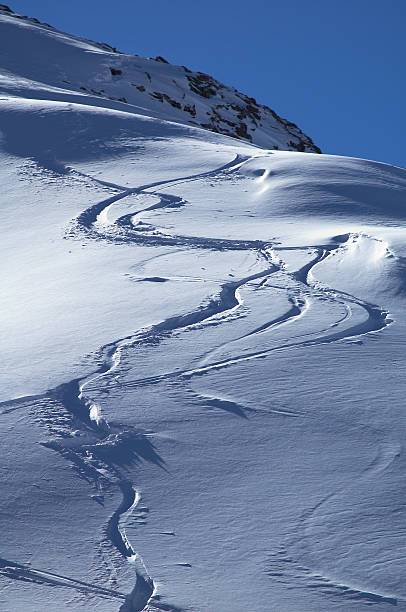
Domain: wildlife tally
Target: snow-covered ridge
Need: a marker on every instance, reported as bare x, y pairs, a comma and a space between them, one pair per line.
151, 85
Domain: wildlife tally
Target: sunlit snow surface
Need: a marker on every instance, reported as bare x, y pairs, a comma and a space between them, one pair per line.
203, 370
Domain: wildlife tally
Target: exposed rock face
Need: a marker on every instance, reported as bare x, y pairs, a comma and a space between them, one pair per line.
159, 58
156, 87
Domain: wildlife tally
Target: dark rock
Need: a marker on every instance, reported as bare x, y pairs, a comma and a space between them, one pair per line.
172, 102
241, 131
211, 127
161, 97
190, 108
159, 58
115, 71
203, 85
157, 95
298, 146
253, 111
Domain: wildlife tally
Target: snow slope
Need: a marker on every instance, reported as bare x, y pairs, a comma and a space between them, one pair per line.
202, 403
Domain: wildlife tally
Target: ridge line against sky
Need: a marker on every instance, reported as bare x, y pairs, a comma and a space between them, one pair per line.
334, 68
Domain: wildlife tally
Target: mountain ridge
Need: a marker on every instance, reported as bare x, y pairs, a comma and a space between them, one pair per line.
152, 84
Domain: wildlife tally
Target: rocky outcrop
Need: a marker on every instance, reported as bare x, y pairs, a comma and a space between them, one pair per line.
173, 92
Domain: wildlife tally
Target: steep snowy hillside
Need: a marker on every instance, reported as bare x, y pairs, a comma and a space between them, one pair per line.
64, 67
202, 401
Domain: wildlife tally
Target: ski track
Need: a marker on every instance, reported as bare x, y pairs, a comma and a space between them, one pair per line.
123, 230
376, 321
95, 458
27, 573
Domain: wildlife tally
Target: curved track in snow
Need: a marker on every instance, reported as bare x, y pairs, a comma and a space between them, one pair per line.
95, 452
124, 230
377, 319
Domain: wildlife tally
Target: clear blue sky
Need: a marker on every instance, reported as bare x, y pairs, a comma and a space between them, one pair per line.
334, 67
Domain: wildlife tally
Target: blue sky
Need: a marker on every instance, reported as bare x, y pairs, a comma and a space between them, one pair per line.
334, 67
